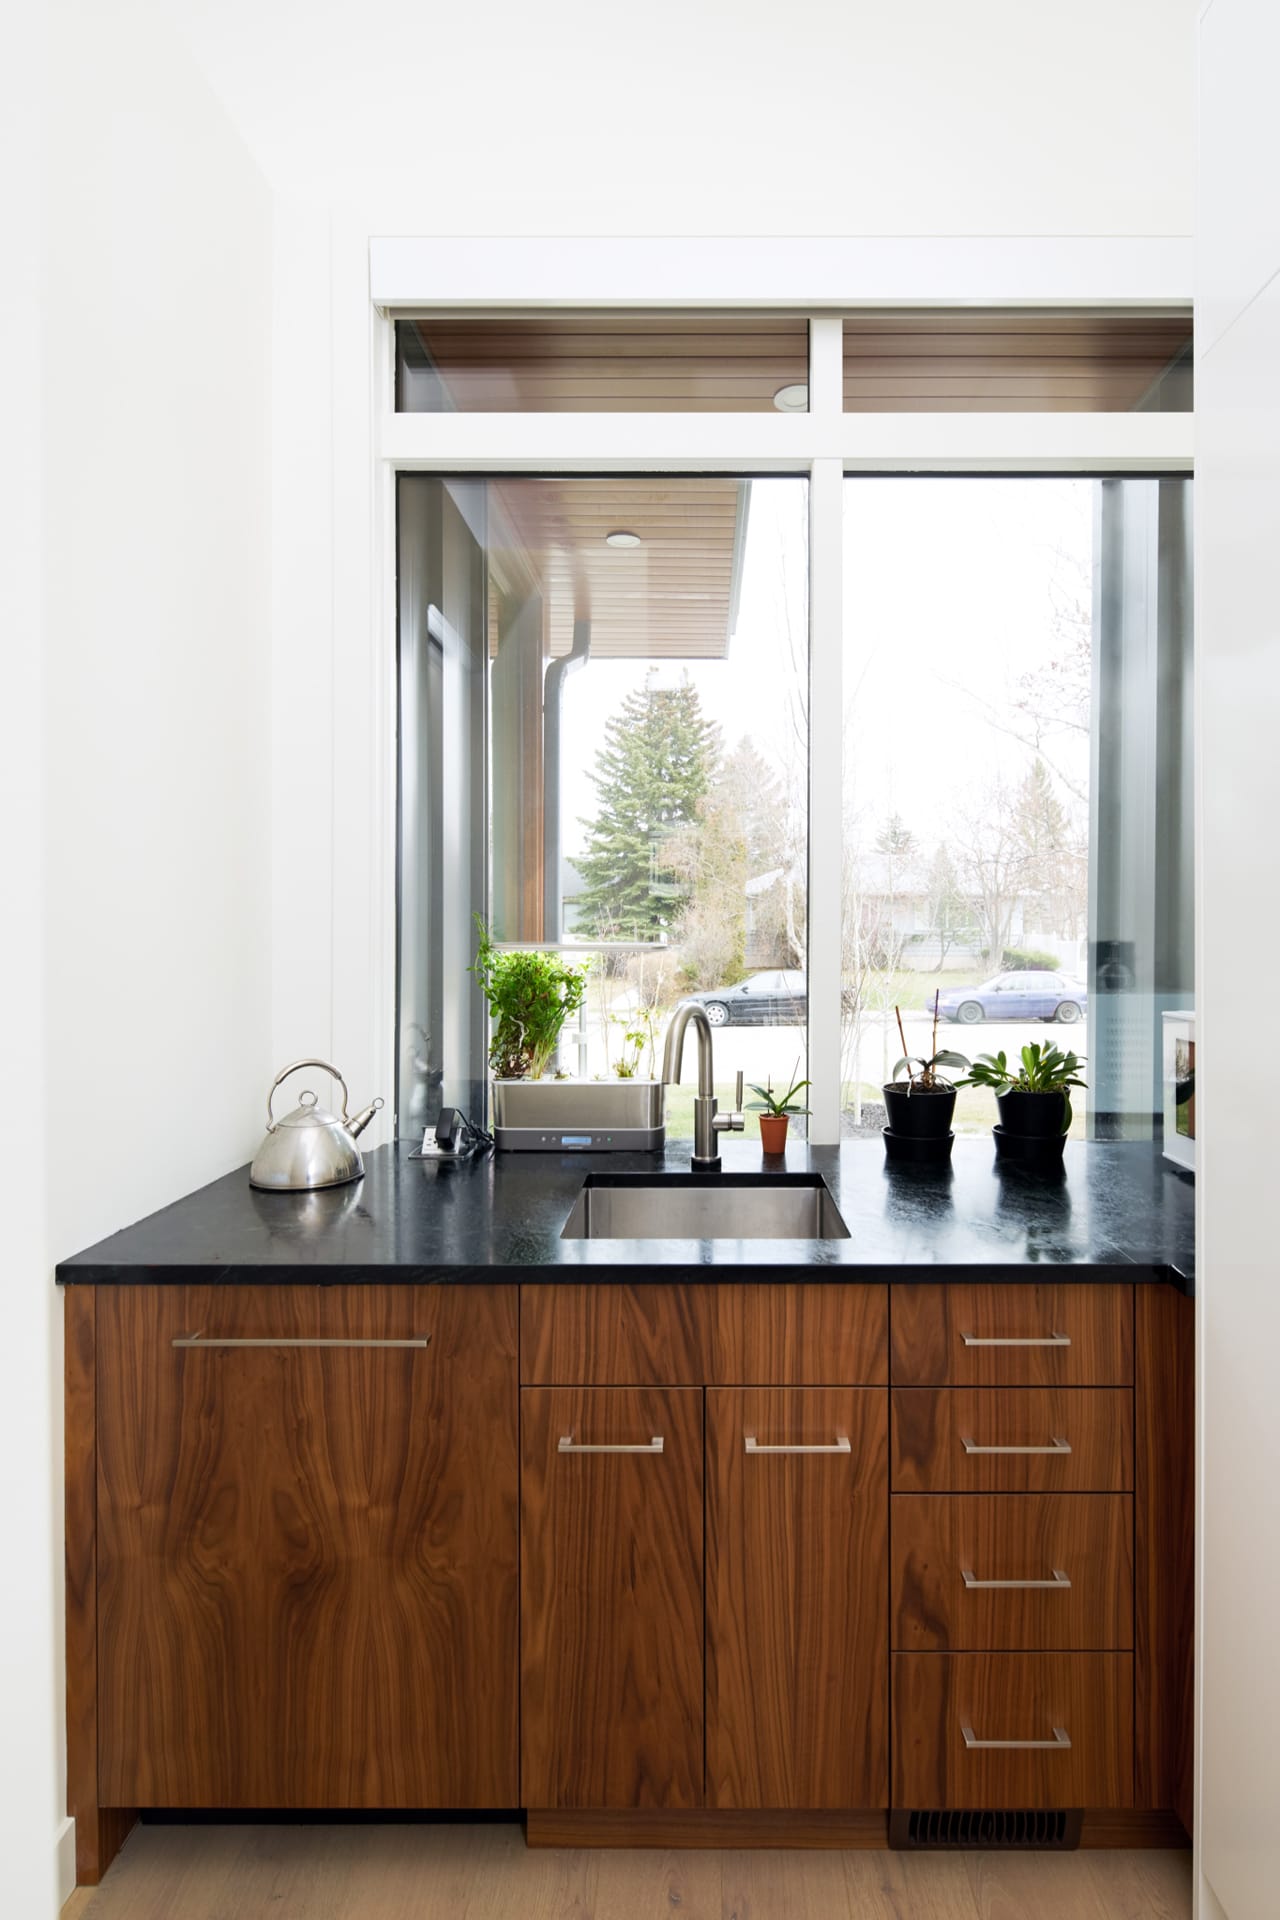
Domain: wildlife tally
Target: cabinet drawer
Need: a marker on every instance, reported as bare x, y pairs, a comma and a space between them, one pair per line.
1018, 1572
1011, 1440
1011, 1335
784, 1334
1062, 1724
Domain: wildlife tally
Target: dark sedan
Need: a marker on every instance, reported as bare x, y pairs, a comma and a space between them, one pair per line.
1015, 996
776, 999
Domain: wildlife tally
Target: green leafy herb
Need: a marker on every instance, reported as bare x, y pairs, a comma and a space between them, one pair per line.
530, 996
767, 1101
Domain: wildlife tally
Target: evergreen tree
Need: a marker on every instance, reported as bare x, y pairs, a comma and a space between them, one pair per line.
654, 768
950, 914
1049, 851
896, 837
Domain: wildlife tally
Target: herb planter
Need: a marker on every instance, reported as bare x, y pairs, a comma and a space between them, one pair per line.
773, 1132
923, 1114
1032, 1116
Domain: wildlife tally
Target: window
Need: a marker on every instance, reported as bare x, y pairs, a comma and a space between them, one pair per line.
624, 662
1016, 815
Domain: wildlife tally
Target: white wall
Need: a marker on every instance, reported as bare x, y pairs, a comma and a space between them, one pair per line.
1238, 655
139, 768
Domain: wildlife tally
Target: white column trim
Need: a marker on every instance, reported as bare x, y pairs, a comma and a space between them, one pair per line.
826, 813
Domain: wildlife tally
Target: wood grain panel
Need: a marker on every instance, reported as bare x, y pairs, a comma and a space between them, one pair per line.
789, 1334
929, 1426
797, 1628
100, 1831
930, 1324
749, 1828
611, 1600
1012, 1696
936, 1538
1164, 1517
308, 1555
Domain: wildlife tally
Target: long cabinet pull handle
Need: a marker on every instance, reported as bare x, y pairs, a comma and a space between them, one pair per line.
203, 1340
567, 1444
1055, 1446
841, 1444
1060, 1742
1002, 1340
1059, 1583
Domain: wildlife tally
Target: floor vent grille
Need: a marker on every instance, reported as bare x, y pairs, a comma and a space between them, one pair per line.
986, 1827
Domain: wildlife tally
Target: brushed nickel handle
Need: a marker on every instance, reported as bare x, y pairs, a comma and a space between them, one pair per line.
840, 1445
1059, 1744
202, 1340
1055, 1446
1059, 1583
568, 1444
1000, 1340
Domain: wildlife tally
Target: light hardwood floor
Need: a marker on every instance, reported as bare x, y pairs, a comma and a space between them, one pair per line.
486, 1873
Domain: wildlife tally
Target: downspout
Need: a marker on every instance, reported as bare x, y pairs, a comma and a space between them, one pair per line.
552, 713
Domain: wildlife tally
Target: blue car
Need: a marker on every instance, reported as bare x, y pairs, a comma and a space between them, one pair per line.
1015, 996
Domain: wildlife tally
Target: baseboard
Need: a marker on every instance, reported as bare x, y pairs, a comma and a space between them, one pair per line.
700, 1827
1110, 1828
64, 1849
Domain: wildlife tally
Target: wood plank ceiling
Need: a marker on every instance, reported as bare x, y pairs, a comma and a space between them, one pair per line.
593, 364
1013, 363
672, 597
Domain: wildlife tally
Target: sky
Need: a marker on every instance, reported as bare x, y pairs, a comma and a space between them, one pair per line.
948, 600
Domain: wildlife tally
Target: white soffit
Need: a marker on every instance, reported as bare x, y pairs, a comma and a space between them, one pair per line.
538, 274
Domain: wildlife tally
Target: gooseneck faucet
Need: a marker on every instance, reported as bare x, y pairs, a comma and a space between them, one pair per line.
707, 1123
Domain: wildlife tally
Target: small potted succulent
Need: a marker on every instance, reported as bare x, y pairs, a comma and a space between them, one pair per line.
775, 1110
921, 1106
1033, 1098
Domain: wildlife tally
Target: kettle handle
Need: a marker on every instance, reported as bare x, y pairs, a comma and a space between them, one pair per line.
284, 1075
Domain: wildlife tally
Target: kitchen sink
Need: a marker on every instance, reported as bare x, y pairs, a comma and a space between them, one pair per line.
707, 1206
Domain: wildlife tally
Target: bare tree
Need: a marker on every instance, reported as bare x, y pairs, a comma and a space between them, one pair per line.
991, 857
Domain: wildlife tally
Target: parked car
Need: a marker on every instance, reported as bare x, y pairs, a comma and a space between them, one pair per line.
1015, 996
776, 999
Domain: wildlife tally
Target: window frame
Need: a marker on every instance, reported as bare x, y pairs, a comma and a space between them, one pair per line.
823, 446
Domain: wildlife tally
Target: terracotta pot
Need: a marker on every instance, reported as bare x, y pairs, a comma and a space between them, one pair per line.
773, 1132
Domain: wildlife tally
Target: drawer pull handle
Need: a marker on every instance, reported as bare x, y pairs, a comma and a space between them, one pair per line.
568, 1444
1002, 1340
840, 1445
1060, 1742
202, 1340
1059, 1583
1055, 1446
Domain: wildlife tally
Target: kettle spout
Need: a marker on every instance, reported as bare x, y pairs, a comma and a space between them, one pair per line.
357, 1124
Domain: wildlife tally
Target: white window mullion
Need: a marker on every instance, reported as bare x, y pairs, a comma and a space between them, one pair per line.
826, 729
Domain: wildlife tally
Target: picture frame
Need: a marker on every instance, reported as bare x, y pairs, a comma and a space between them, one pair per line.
1179, 1078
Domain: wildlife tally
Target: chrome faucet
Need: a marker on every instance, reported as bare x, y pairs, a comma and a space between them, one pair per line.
707, 1123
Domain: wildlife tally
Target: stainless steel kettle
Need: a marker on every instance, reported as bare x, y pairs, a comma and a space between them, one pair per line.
309, 1147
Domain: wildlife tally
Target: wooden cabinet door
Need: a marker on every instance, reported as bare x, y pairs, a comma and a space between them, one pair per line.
611, 1597
797, 1605
307, 1546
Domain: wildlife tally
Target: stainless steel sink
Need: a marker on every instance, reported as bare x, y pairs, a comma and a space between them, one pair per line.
716, 1206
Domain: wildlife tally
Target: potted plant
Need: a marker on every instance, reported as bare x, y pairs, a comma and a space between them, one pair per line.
775, 1111
530, 995
922, 1106
1033, 1098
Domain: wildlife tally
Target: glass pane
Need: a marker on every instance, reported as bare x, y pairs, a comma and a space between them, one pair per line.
646, 644
1005, 362
1017, 782
592, 363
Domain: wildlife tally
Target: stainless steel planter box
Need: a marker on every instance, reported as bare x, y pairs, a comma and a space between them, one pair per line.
579, 1116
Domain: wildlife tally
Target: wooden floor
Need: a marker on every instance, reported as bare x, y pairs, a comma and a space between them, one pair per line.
486, 1873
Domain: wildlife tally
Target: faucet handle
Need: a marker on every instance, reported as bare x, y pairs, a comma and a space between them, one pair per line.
737, 1098
731, 1122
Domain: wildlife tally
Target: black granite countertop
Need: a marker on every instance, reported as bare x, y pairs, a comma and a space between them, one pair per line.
1115, 1212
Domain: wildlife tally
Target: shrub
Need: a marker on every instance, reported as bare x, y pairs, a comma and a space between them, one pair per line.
1029, 960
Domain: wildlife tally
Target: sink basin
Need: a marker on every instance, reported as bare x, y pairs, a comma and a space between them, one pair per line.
704, 1206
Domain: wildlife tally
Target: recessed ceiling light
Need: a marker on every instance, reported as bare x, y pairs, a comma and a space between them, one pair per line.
621, 538
792, 399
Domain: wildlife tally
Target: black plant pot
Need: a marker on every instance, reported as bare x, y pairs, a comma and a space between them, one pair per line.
1041, 1150
1032, 1116
918, 1152
920, 1115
